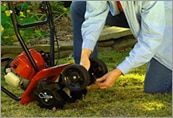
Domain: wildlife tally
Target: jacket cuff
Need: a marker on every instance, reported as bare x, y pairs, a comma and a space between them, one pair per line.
90, 44
125, 67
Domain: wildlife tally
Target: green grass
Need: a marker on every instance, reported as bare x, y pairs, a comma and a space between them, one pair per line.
125, 98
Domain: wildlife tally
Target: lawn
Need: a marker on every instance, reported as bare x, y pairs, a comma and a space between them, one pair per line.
126, 98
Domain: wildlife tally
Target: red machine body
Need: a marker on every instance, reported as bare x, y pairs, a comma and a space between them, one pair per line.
22, 66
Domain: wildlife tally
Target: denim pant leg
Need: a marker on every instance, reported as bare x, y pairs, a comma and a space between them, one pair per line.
77, 10
158, 78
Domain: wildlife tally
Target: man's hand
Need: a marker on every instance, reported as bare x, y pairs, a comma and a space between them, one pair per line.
108, 79
85, 58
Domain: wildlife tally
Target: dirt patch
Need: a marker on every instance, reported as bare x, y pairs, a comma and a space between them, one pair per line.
63, 28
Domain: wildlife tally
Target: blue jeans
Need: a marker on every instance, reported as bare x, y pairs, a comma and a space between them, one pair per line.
158, 78
77, 10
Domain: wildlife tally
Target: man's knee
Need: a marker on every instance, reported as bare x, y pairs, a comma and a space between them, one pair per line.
167, 88
158, 78
149, 90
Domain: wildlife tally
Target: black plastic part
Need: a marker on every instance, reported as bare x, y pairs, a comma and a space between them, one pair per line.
97, 69
8, 61
77, 95
75, 77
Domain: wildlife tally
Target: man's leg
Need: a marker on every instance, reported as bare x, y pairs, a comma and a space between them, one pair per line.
77, 10
158, 78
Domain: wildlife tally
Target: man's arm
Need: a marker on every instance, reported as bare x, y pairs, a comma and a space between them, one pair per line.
95, 17
152, 25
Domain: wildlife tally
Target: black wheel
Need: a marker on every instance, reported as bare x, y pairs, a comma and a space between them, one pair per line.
50, 98
75, 77
48, 95
97, 69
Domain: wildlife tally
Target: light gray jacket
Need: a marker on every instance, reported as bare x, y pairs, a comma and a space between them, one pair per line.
150, 23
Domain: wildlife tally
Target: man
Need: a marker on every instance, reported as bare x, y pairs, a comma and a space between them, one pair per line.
150, 23
77, 14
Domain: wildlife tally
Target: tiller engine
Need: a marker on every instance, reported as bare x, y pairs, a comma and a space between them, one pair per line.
35, 72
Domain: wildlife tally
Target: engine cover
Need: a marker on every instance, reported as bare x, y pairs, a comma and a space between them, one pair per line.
23, 67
